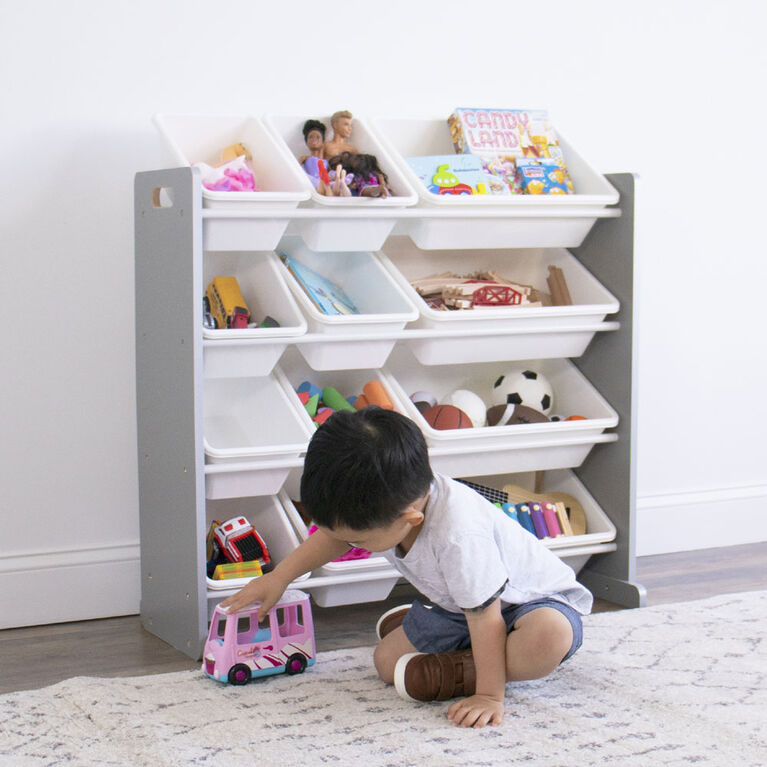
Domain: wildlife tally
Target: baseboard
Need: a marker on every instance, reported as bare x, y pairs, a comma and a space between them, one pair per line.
701, 520
69, 585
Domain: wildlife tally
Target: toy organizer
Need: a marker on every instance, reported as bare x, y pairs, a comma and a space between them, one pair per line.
382, 303
575, 550
260, 279
199, 138
233, 430
543, 332
527, 221
351, 233
490, 448
267, 515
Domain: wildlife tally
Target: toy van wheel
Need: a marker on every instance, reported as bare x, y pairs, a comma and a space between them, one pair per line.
239, 674
296, 664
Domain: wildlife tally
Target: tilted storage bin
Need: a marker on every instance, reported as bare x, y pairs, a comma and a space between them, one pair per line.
253, 428
495, 449
200, 138
382, 303
369, 580
532, 220
348, 233
541, 332
263, 287
293, 370
572, 549
268, 516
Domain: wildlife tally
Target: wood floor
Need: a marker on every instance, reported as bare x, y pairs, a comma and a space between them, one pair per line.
42, 655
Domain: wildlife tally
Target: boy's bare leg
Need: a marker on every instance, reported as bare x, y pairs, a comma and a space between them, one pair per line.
388, 651
539, 642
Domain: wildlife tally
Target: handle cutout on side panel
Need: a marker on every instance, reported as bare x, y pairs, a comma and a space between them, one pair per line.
162, 197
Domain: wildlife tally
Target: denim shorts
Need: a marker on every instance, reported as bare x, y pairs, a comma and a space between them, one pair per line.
431, 629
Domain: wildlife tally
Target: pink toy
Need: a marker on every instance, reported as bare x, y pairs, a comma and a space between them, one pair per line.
233, 176
240, 647
352, 554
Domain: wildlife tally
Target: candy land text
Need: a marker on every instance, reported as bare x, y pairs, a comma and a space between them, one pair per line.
495, 130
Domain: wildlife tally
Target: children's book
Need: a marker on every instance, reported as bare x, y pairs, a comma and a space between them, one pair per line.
328, 297
456, 174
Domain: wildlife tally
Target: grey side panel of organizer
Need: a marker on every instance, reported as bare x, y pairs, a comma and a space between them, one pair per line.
610, 364
169, 377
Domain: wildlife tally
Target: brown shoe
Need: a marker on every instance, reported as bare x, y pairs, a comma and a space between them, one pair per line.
435, 676
391, 620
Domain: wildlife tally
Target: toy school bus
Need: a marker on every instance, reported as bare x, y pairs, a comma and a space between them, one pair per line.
240, 648
224, 301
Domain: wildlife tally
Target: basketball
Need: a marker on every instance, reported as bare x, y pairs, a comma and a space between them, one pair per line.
445, 417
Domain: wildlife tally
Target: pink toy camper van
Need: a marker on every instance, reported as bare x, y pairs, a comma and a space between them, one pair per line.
240, 648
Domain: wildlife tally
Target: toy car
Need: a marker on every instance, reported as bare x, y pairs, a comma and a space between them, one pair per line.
240, 647
225, 305
239, 542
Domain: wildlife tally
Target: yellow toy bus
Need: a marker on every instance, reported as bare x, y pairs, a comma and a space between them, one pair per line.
224, 302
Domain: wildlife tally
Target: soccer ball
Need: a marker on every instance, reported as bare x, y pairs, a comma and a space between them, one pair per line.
521, 386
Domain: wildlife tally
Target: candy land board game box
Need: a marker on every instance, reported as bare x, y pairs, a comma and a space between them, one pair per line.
513, 132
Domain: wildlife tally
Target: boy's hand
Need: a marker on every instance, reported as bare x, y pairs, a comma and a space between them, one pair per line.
265, 589
476, 711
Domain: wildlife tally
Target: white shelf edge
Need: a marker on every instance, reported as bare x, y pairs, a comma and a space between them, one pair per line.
297, 214
413, 335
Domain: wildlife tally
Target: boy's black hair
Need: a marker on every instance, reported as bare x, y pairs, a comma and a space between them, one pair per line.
363, 469
311, 125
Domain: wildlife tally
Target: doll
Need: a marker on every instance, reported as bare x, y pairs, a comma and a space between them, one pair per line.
341, 122
328, 183
363, 175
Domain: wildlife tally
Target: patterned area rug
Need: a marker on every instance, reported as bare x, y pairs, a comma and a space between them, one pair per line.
668, 685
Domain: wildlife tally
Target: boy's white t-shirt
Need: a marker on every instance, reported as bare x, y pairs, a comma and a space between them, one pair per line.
468, 550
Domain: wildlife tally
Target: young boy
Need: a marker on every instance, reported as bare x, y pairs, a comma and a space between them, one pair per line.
504, 607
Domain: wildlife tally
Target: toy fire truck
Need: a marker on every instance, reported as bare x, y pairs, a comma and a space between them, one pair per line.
239, 542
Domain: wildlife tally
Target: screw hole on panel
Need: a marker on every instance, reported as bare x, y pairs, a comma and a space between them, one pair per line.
162, 197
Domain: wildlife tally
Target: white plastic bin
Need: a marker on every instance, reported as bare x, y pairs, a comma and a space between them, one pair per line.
349, 233
200, 138
532, 220
599, 527
541, 332
498, 449
293, 370
366, 580
252, 426
382, 303
263, 287
268, 517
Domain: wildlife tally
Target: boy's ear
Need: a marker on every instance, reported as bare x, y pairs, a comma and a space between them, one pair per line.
412, 516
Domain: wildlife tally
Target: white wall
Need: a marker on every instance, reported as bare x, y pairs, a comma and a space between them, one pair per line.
669, 90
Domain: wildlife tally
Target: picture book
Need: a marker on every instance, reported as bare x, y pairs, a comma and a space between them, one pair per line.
514, 132
456, 175
328, 297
